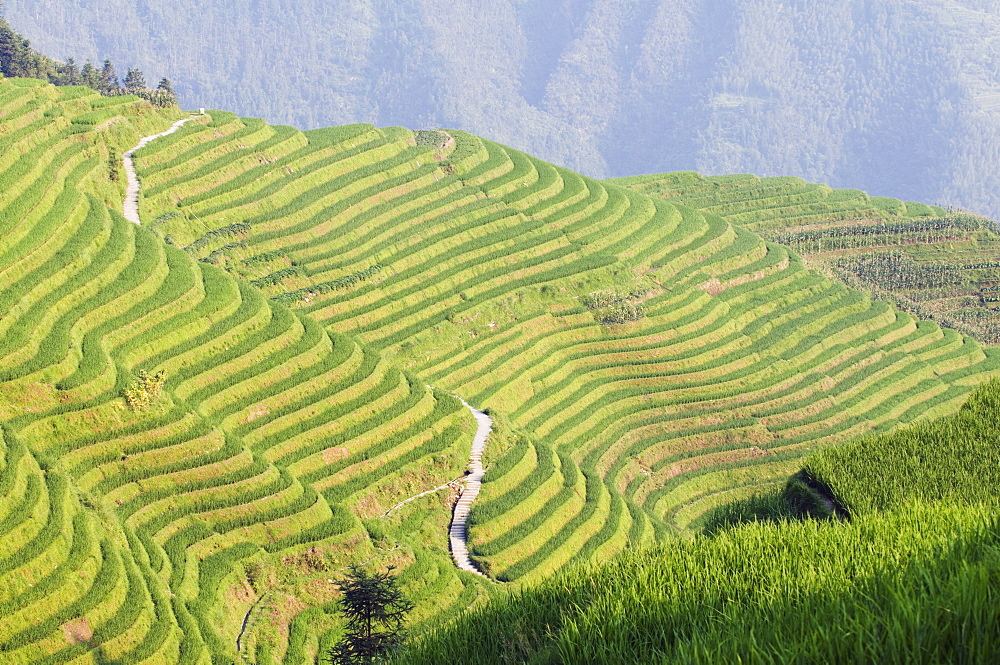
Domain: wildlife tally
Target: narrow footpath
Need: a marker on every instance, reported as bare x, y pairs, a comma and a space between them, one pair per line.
131, 206
457, 533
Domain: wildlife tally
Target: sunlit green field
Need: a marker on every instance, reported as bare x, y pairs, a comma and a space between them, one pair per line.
298, 292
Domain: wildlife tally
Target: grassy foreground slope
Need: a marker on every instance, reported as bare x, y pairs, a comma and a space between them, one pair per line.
938, 264
954, 459
652, 361
163, 534
915, 586
911, 578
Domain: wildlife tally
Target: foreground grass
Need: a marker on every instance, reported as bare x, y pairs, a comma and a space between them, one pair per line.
917, 585
955, 458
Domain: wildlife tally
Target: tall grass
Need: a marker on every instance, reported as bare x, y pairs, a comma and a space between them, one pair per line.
956, 458
913, 586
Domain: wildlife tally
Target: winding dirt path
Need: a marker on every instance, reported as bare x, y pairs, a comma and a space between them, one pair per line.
131, 206
458, 531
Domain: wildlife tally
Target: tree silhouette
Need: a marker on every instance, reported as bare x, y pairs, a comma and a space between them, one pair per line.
134, 80
89, 75
375, 609
108, 81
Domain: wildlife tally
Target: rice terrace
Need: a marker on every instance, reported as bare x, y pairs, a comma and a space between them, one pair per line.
718, 408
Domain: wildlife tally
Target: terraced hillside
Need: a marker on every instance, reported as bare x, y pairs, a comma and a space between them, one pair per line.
938, 264
649, 361
184, 463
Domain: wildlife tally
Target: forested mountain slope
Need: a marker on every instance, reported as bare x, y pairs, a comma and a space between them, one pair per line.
897, 97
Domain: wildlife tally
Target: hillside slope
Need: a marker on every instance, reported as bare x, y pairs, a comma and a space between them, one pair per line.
938, 264
151, 534
916, 586
896, 97
642, 361
652, 360
908, 577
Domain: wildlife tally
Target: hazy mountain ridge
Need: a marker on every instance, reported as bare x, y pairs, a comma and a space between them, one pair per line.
896, 97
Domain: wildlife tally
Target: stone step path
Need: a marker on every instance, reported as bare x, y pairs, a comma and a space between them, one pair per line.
131, 206
457, 532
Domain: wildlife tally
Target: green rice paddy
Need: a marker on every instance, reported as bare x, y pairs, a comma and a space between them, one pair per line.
645, 363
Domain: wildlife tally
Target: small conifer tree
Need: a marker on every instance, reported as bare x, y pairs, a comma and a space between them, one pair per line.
69, 74
113, 174
375, 609
108, 81
134, 80
89, 76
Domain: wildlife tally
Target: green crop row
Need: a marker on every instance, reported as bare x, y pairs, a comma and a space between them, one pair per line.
403, 176
273, 188
280, 135
325, 287
250, 126
437, 443
414, 395
178, 281
23, 329
96, 117
382, 170
56, 344
474, 214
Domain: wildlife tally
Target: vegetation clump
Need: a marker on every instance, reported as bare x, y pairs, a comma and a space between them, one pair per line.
144, 390
623, 312
430, 138
19, 60
612, 307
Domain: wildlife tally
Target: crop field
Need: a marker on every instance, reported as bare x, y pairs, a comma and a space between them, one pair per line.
185, 463
655, 360
938, 264
205, 418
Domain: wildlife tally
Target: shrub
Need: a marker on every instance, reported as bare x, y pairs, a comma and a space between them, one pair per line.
144, 390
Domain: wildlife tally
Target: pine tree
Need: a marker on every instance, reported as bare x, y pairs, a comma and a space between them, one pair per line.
134, 80
108, 81
69, 74
375, 609
89, 76
166, 86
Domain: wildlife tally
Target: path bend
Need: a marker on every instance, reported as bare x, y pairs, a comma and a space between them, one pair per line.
457, 533
131, 206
